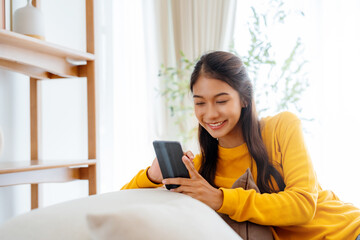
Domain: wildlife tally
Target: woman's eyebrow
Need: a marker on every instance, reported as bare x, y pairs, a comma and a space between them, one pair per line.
220, 94
217, 95
197, 96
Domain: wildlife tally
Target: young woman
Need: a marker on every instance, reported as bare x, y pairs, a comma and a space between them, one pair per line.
232, 139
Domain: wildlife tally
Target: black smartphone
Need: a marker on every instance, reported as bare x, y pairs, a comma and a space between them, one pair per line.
169, 154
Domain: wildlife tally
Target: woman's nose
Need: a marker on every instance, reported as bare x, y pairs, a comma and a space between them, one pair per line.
211, 113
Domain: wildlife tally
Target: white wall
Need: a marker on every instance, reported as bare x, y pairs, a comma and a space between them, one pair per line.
63, 116
14, 91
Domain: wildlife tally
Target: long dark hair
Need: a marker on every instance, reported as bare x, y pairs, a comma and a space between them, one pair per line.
229, 68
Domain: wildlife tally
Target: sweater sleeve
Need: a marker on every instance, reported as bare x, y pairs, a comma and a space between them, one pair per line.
297, 203
141, 180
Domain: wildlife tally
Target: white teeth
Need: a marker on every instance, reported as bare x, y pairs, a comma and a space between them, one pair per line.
215, 124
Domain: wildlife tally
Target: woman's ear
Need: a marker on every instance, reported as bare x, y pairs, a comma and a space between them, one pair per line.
243, 104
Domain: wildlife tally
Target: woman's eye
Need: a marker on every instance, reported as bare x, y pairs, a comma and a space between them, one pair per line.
222, 102
199, 103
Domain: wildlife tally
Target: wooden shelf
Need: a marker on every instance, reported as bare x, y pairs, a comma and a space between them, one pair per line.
40, 59
35, 171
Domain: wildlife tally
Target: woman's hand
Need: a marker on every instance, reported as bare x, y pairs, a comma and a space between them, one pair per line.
154, 172
196, 187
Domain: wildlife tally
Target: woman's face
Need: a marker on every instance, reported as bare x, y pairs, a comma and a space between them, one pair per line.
218, 110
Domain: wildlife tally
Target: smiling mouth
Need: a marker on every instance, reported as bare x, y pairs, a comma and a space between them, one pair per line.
216, 125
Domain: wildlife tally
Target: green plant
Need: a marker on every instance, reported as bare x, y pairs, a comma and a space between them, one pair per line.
282, 81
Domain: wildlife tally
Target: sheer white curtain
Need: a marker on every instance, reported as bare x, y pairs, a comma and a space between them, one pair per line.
193, 27
330, 33
202, 25
135, 80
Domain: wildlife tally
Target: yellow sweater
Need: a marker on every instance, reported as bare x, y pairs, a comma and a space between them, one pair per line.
302, 211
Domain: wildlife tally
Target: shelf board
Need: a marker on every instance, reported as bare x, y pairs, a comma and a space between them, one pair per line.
35, 171
40, 59
23, 166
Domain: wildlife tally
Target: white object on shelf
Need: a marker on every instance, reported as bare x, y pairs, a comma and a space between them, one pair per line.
29, 20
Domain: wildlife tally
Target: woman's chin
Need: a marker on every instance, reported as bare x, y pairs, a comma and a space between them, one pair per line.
214, 134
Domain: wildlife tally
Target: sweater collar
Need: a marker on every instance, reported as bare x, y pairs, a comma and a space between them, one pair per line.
232, 153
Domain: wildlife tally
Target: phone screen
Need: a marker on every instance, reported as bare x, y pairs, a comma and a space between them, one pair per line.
169, 155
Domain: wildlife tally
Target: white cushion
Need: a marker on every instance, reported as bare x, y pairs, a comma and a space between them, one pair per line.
128, 214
